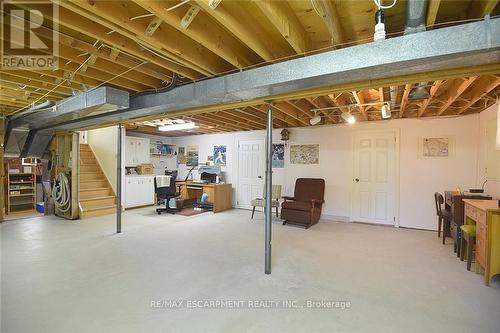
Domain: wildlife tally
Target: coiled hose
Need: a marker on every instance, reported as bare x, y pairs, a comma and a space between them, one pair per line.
61, 193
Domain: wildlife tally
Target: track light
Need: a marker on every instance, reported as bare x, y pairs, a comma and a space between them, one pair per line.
349, 118
386, 111
177, 127
316, 119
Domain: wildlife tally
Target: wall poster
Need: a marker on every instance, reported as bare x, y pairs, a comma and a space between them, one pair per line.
220, 155
278, 159
304, 154
192, 156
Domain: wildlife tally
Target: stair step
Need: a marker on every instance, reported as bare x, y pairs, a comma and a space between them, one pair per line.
95, 192
90, 168
93, 183
97, 211
97, 202
89, 176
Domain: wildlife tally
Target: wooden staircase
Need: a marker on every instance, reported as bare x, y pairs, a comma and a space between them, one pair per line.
95, 193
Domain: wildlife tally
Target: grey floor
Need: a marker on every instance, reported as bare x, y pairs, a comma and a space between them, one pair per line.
78, 276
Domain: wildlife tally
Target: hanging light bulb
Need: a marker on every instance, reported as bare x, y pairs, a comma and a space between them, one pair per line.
316, 119
349, 118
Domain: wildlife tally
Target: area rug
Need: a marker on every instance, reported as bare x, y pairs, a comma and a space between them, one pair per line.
190, 211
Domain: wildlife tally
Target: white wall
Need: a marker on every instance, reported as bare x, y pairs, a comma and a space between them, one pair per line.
487, 117
419, 178
103, 142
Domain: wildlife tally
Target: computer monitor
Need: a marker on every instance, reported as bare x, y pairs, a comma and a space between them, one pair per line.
172, 173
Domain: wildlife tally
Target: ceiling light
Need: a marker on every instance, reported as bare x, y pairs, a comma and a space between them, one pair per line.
177, 127
386, 111
349, 118
316, 119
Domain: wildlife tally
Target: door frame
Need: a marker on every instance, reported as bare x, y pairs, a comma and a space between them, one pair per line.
236, 205
396, 133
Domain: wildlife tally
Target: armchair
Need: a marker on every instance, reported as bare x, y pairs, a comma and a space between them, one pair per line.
304, 208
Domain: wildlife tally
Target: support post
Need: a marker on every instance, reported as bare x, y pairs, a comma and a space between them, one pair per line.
269, 181
119, 181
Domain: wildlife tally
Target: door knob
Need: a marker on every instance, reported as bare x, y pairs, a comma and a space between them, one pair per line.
357, 180
259, 176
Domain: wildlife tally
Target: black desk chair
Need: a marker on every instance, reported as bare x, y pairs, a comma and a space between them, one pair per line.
165, 192
444, 217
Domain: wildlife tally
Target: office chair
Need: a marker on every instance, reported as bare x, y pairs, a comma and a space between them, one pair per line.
165, 189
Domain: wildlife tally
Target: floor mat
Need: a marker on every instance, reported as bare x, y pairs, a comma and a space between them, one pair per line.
190, 211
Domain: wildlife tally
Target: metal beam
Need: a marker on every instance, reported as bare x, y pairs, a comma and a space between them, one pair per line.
269, 185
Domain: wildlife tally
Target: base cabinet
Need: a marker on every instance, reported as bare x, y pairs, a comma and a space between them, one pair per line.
139, 191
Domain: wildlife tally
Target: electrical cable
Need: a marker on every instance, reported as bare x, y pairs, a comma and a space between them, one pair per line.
378, 3
61, 193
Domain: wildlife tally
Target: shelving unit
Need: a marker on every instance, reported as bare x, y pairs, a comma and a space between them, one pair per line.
21, 186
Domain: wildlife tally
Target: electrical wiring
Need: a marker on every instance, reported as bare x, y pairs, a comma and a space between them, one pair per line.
378, 3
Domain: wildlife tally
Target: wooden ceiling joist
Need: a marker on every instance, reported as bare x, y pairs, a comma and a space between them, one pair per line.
167, 40
360, 99
479, 92
205, 31
87, 26
241, 27
404, 100
433, 91
454, 92
281, 15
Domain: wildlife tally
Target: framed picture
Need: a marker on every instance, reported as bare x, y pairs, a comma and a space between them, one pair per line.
304, 154
220, 155
278, 159
436, 147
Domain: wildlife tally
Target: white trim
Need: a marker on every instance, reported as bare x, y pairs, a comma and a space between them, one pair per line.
396, 134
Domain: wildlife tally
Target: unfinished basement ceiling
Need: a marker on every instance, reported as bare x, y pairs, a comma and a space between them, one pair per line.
460, 96
139, 45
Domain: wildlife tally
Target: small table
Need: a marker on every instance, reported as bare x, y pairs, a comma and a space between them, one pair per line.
485, 214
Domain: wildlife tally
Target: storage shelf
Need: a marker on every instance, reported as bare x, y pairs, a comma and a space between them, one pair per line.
23, 184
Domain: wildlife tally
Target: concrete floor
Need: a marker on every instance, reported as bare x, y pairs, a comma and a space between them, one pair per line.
78, 276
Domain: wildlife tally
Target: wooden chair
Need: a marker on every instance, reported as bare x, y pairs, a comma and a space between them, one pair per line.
468, 237
444, 217
275, 199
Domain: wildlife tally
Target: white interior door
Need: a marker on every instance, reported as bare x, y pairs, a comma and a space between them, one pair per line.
374, 177
251, 161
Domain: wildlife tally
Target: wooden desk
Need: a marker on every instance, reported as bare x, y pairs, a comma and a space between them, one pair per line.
486, 215
454, 204
219, 195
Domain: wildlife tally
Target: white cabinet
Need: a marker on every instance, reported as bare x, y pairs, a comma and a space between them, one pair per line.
136, 151
139, 191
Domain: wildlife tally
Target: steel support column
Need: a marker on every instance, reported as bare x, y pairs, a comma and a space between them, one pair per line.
119, 181
269, 184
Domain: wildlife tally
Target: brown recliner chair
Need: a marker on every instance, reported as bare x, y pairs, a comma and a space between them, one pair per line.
305, 207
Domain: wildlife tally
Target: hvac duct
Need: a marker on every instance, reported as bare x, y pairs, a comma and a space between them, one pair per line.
39, 124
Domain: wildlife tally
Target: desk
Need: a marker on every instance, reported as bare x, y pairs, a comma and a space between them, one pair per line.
455, 206
486, 215
219, 195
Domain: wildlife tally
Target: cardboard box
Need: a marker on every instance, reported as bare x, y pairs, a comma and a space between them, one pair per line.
145, 169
